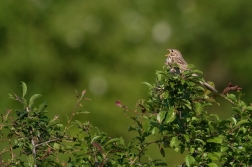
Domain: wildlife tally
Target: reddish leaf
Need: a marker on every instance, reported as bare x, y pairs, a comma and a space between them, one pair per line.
118, 103
97, 145
231, 87
143, 109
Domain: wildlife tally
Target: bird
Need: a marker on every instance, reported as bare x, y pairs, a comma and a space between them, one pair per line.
175, 57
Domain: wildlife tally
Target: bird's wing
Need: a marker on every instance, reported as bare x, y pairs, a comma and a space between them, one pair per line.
181, 61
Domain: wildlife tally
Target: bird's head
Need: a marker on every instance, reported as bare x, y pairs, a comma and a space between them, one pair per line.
173, 53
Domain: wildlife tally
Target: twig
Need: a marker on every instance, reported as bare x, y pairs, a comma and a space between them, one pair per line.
74, 109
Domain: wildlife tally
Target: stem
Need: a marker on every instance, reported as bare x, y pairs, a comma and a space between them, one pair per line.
34, 152
73, 111
12, 154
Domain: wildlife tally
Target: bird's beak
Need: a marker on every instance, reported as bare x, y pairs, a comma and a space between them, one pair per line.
167, 55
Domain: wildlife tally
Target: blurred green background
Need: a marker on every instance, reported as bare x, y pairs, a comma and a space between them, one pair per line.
110, 47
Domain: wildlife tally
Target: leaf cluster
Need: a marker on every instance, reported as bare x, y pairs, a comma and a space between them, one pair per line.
177, 109
33, 139
176, 113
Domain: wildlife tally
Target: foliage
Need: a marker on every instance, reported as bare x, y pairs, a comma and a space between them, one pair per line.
33, 139
176, 111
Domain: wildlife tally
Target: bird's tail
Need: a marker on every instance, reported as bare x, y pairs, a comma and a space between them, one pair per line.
209, 87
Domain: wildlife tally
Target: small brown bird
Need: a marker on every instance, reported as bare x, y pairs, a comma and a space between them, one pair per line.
176, 57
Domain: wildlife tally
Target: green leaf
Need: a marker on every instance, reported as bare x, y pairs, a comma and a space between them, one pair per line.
192, 150
176, 149
81, 112
249, 108
200, 88
95, 138
217, 140
242, 122
243, 129
34, 97
166, 95
148, 84
231, 97
214, 156
11, 96
162, 152
171, 84
24, 88
212, 165
188, 104
224, 149
200, 141
191, 66
198, 108
212, 100
191, 83
159, 77
161, 116
171, 115
189, 160
31, 161
211, 126
56, 146
174, 142
42, 107
214, 115
113, 141
161, 72
187, 138
233, 120
146, 126
24, 101
197, 71
153, 131
78, 123
236, 109
182, 81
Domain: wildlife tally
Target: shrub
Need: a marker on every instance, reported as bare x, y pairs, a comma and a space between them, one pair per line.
33, 139
177, 110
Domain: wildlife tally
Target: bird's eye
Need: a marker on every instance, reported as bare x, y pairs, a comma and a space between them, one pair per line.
171, 50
